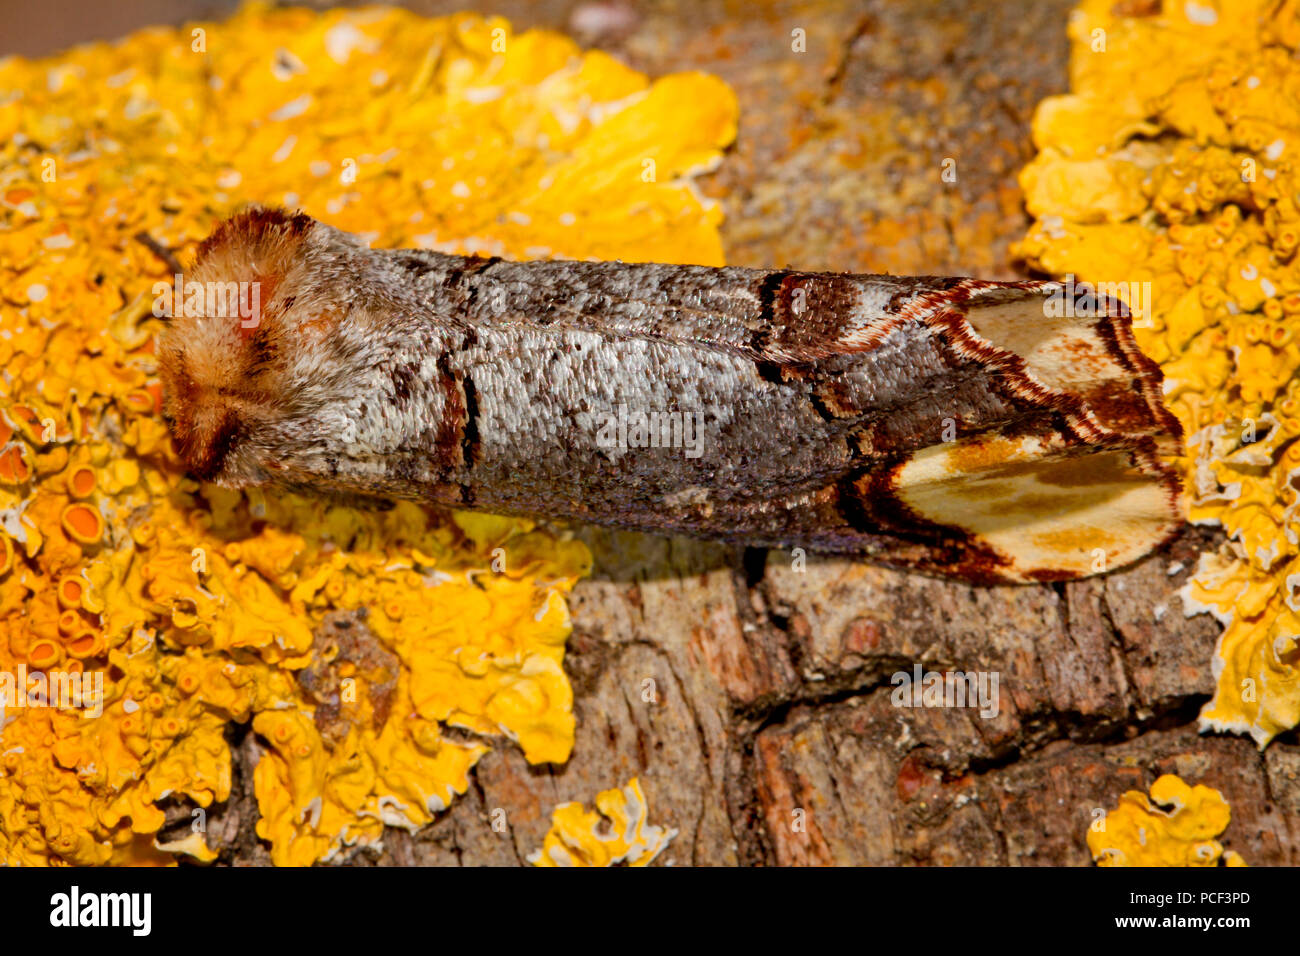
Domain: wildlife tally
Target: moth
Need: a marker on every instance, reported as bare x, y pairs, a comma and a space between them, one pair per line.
950, 425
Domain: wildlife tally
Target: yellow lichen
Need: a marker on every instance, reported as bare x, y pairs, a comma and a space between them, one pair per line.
1186, 178
196, 606
1141, 832
616, 832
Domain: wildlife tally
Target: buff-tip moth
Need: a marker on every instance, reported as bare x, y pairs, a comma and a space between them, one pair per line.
955, 426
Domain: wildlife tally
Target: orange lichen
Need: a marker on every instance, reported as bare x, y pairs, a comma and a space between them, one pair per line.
44, 654
70, 589
616, 832
197, 606
81, 481
15, 465
1141, 832
83, 523
1180, 185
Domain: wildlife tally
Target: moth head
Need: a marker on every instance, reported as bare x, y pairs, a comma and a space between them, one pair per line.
229, 344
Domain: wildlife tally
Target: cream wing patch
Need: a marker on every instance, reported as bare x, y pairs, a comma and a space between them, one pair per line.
1045, 511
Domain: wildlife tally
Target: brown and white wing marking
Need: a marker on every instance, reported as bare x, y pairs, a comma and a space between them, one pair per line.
1083, 490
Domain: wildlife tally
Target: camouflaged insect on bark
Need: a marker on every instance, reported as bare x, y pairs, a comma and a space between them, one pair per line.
952, 425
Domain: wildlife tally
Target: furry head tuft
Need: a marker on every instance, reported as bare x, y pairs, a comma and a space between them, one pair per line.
219, 352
